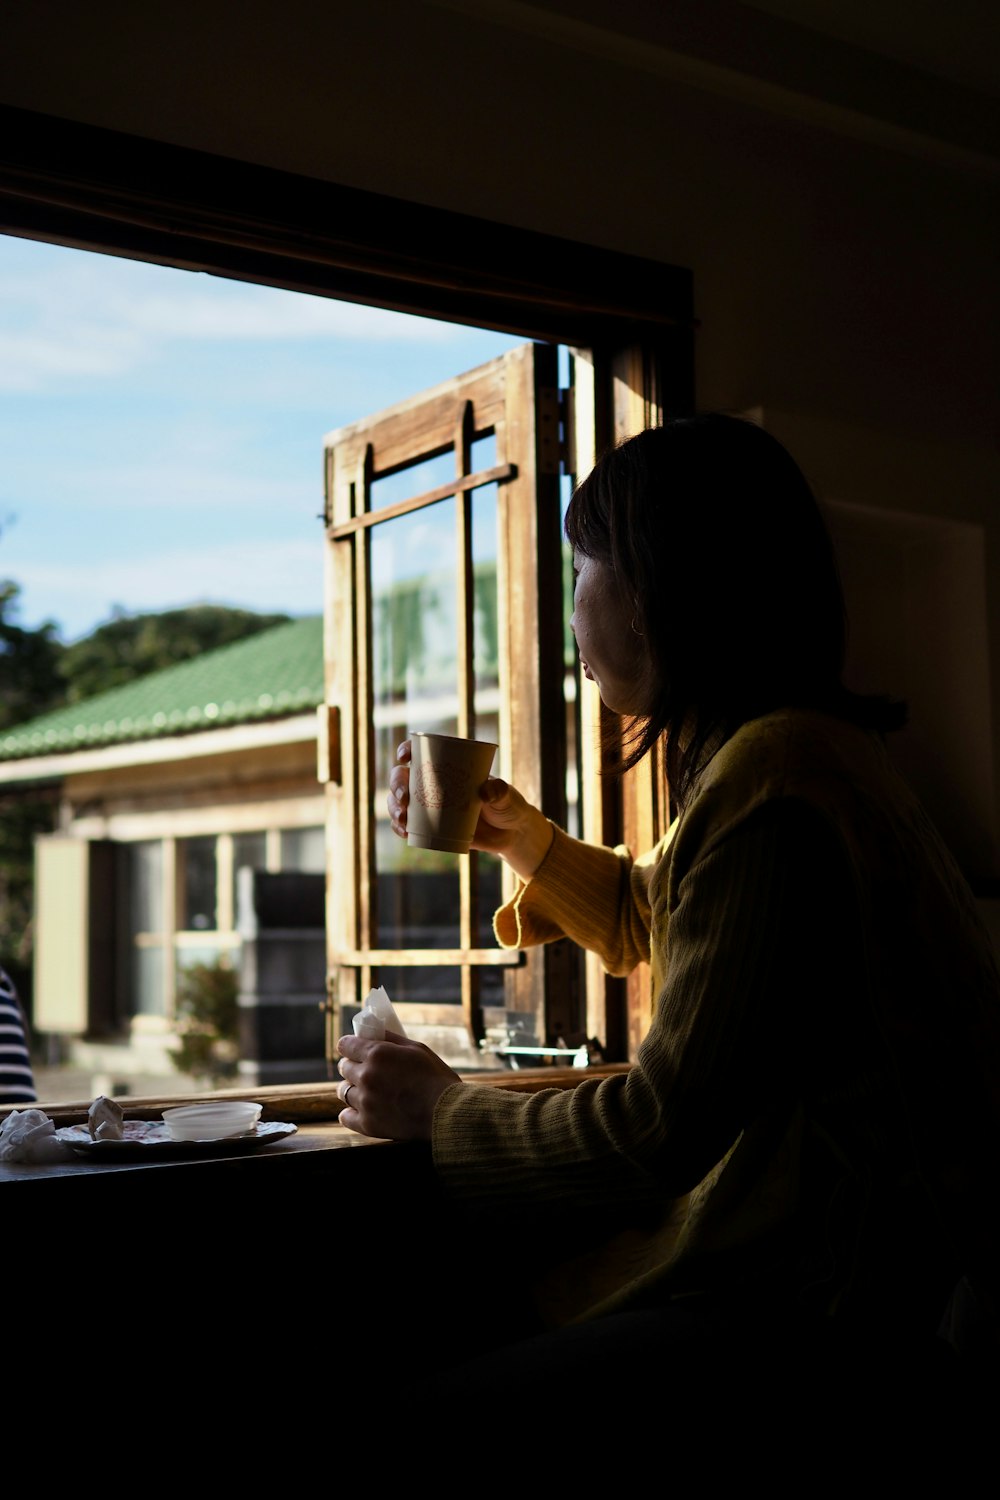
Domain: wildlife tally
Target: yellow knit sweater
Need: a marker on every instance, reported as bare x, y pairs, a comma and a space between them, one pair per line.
815, 1111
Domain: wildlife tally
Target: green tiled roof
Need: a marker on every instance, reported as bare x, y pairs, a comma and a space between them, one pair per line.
267, 676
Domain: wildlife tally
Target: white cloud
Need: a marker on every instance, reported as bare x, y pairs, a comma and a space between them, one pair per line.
245, 312
34, 361
66, 315
203, 477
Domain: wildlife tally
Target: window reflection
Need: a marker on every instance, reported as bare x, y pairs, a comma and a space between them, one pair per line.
304, 849
417, 676
145, 922
414, 628
145, 874
197, 884
148, 998
249, 851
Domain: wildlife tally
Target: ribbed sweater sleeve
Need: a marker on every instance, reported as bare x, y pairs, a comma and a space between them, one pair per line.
629, 1142
17, 1079
597, 896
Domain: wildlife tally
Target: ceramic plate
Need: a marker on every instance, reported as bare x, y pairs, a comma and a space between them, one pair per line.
151, 1137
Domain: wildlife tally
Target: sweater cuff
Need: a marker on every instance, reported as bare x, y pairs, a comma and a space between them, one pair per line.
547, 906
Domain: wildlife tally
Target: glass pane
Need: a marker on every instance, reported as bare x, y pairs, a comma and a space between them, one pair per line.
415, 665
491, 991
418, 908
415, 686
202, 953
415, 479
487, 696
145, 885
141, 900
483, 452
146, 974
249, 852
415, 679
197, 884
485, 646
304, 849
489, 900
571, 682
427, 986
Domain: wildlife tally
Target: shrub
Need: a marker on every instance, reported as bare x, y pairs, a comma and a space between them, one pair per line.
207, 1022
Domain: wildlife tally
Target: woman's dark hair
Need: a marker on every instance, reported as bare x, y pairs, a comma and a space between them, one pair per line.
722, 553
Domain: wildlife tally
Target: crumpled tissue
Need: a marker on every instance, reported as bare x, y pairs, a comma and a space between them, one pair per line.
106, 1120
377, 1016
29, 1135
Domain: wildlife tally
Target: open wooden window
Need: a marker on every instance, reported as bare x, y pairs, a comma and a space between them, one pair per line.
446, 611
448, 597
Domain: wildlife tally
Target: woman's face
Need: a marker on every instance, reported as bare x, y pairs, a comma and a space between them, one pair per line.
611, 652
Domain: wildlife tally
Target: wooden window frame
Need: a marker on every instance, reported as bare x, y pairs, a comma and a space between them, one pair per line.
89, 188
513, 400
97, 189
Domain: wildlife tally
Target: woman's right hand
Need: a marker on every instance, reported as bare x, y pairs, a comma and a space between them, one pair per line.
508, 824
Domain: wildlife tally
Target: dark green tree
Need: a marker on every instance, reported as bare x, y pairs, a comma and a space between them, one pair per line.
129, 646
30, 683
30, 680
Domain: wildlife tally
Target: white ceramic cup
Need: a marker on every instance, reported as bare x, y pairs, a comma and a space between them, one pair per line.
445, 777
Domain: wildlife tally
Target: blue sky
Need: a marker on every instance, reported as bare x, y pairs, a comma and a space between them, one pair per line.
161, 431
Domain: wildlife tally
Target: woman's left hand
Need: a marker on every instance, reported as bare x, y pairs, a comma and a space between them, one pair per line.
390, 1086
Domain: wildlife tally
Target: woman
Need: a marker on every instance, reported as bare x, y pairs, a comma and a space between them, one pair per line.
802, 1155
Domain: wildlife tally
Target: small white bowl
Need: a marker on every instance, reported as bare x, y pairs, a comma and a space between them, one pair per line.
212, 1121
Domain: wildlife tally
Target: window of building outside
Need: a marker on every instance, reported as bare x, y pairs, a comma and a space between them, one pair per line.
303, 849
249, 851
196, 884
147, 924
194, 919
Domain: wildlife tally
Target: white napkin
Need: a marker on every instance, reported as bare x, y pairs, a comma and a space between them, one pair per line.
377, 1016
29, 1135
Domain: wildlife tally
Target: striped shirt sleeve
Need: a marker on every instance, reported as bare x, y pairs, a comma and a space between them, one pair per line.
17, 1078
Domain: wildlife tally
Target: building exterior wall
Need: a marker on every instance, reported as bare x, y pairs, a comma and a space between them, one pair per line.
144, 876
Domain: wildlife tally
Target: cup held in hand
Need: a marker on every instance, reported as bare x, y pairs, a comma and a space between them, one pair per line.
445, 776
